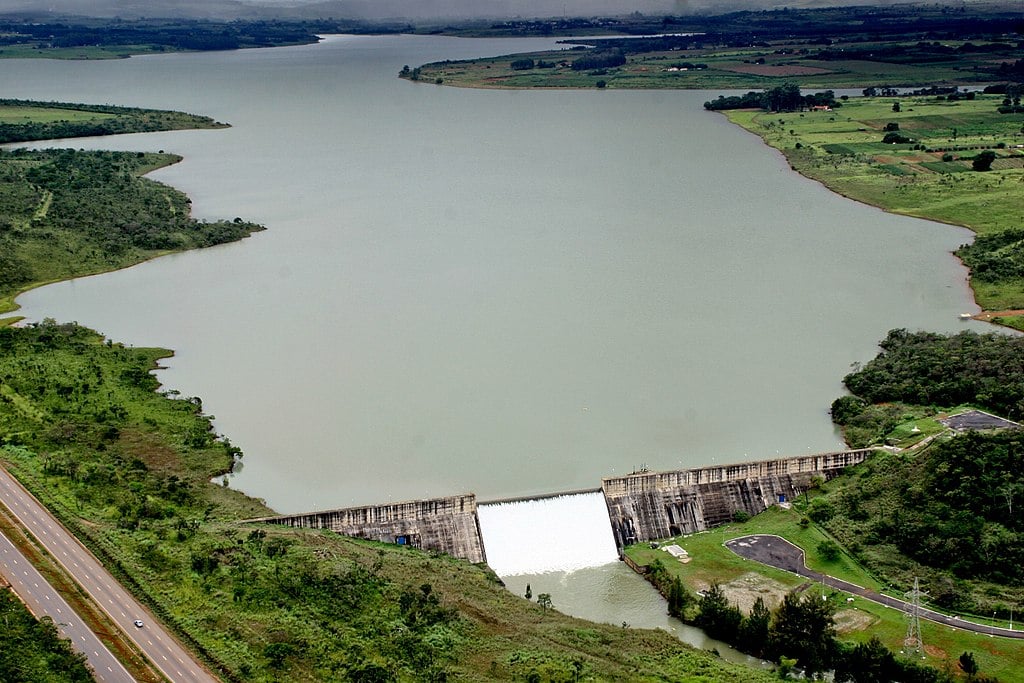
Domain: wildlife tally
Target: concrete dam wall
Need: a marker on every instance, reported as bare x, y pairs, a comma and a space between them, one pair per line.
645, 506
447, 525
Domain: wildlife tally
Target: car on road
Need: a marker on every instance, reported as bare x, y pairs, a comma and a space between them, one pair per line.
138, 623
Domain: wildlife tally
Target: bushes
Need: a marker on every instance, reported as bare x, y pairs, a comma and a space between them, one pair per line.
601, 59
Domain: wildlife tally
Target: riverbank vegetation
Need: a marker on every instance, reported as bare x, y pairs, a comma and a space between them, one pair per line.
928, 172
924, 373
28, 120
66, 213
841, 47
945, 505
129, 470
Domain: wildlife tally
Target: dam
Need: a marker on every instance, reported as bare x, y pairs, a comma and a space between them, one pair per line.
645, 506
641, 506
449, 525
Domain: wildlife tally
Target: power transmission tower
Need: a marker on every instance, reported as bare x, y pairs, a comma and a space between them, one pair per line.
913, 644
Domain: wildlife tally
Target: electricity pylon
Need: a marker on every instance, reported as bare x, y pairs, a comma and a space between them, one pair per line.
913, 644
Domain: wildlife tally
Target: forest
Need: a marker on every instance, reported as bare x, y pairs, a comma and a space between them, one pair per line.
32, 651
157, 35
948, 504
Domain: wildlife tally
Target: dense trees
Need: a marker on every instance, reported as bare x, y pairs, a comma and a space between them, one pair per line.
953, 507
929, 369
32, 651
983, 160
786, 97
995, 257
801, 632
601, 59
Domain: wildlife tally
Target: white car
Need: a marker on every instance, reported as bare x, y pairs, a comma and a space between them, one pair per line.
138, 623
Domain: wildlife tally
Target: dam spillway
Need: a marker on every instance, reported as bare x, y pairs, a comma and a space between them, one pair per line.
642, 506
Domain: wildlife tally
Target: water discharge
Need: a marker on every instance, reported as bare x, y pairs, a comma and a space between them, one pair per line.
561, 534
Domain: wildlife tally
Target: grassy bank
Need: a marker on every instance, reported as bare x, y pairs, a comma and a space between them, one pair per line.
722, 68
930, 176
744, 580
28, 120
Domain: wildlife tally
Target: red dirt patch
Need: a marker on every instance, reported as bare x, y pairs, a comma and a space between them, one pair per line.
776, 69
988, 315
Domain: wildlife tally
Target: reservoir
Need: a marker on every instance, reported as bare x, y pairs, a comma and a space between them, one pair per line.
498, 292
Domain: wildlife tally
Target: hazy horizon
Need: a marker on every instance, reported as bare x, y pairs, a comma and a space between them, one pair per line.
420, 10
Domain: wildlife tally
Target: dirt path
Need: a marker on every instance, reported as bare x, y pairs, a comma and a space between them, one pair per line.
780, 553
988, 315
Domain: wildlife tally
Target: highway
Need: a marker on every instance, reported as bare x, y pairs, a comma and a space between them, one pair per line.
155, 642
43, 600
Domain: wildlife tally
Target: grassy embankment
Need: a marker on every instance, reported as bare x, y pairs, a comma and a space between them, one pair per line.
128, 470
858, 621
721, 68
67, 213
931, 177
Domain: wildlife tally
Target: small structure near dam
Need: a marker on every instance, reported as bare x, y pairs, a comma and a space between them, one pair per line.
642, 506
448, 525
645, 506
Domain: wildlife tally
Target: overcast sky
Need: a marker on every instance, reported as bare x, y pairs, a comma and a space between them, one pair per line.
413, 9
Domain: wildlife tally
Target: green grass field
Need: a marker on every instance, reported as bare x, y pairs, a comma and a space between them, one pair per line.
932, 177
859, 620
750, 68
18, 114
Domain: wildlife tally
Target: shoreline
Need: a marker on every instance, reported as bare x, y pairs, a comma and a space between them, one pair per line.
983, 315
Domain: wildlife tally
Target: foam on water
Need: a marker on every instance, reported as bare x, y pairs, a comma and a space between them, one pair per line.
561, 534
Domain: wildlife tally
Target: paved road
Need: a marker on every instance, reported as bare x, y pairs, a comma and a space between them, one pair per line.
778, 552
43, 600
173, 660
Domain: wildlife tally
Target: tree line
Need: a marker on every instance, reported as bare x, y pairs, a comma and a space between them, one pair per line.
800, 633
786, 97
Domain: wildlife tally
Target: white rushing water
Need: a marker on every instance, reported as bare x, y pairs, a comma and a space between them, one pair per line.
562, 534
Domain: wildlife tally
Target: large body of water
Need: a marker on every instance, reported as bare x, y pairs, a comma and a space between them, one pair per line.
504, 292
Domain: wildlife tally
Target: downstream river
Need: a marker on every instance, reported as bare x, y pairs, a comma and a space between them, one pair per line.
503, 292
